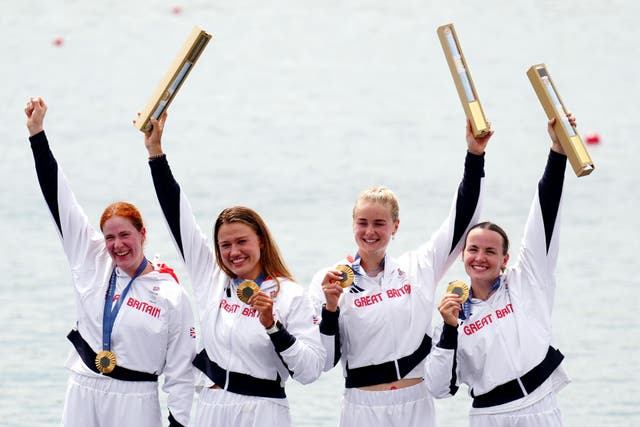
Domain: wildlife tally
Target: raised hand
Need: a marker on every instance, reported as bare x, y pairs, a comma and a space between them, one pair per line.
35, 110
477, 145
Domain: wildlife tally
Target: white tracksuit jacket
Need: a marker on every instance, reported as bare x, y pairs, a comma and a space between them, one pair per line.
154, 329
232, 335
509, 333
383, 324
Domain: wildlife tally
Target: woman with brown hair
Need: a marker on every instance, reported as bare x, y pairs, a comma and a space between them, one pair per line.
257, 324
499, 340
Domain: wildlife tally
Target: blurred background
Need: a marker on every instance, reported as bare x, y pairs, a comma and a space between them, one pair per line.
295, 107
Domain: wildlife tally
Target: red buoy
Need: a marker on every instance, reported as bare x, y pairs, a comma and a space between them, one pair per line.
58, 41
177, 10
592, 138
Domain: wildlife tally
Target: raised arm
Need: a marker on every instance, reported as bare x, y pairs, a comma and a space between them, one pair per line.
446, 243
192, 245
539, 253
80, 241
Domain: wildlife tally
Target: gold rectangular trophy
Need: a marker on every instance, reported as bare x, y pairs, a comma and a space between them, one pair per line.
462, 78
173, 78
569, 139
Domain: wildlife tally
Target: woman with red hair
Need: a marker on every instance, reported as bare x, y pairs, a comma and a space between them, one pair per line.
134, 320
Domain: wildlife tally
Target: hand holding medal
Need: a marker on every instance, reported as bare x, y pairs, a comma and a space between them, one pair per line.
333, 284
262, 303
451, 304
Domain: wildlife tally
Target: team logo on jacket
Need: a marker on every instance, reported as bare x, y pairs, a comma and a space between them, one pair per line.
355, 289
192, 332
143, 307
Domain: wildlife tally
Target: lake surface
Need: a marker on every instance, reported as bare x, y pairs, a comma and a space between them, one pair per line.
293, 108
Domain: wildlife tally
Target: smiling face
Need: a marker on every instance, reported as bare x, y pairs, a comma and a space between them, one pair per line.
373, 227
124, 243
483, 256
240, 248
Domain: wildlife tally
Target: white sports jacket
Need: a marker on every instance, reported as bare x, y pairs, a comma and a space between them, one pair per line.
510, 333
385, 325
154, 330
232, 335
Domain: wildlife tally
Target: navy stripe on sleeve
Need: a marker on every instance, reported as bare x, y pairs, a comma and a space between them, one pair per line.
168, 192
449, 340
550, 191
468, 195
47, 171
329, 326
282, 340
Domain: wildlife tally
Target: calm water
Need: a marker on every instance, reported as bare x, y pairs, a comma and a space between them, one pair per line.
294, 107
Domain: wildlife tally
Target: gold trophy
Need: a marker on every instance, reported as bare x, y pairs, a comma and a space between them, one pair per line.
569, 139
173, 78
462, 79
459, 288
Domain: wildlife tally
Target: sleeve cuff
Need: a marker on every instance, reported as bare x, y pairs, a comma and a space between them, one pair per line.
329, 322
449, 337
39, 139
282, 339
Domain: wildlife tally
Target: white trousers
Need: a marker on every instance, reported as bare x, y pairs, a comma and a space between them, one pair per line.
222, 408
543, 413
405, 407
105, 402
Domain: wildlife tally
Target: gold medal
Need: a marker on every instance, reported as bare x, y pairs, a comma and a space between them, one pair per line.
347, 275
105, 361
246, 290
459, 288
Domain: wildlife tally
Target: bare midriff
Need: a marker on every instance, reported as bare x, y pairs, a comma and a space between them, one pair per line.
403, 383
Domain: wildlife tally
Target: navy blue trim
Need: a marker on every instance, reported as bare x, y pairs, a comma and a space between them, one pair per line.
282, 339
88, 356
47, 171
173, 422
510, 391
238, 383
329, 326
168, 193
550, 191
386, 372
449, 341
468, 195
453, 388
449, 337
337, 345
